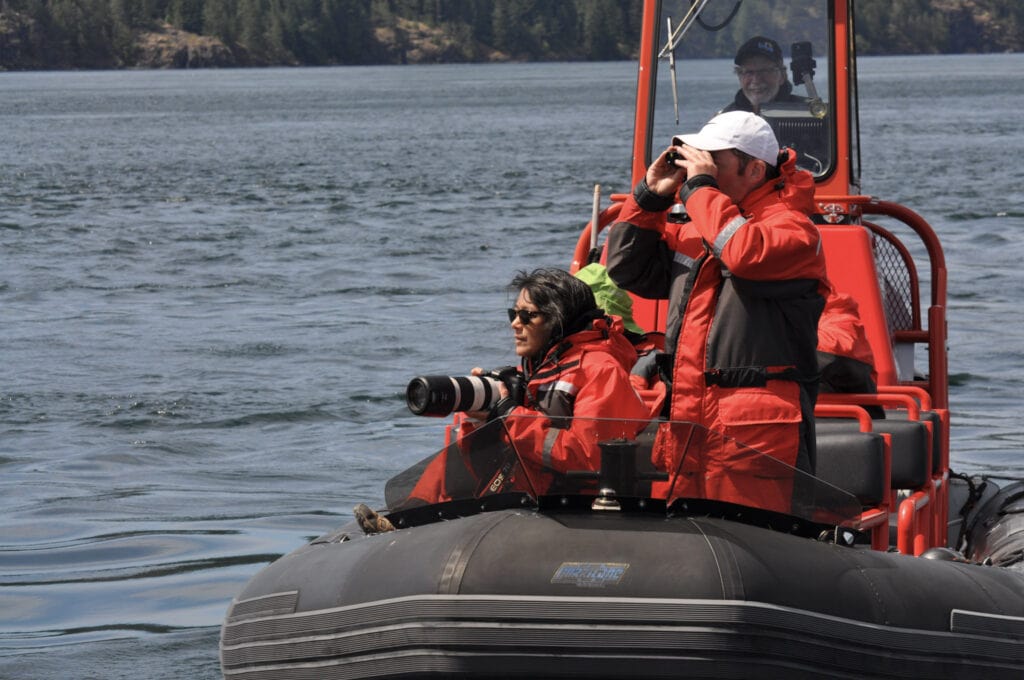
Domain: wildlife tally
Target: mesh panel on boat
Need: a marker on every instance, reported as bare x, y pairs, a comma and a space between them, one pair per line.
895, 280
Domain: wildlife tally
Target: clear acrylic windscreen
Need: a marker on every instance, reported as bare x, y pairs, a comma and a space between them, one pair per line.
706, 81
664, 459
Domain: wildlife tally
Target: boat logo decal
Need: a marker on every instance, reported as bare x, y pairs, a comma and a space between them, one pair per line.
590, 574
834, 213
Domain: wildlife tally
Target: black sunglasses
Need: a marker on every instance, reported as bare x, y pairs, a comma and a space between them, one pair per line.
526, 317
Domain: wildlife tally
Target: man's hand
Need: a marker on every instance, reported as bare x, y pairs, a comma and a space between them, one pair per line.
664, 177
697, 161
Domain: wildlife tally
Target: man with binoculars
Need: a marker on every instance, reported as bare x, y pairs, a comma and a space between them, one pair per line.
746, 284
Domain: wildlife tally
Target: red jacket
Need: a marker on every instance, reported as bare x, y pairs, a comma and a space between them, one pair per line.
585, 376
746, 285
842, 338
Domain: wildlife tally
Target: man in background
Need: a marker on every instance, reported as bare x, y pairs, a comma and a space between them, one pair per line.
762, 75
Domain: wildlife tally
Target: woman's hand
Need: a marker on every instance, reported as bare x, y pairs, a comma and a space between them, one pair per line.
502, 394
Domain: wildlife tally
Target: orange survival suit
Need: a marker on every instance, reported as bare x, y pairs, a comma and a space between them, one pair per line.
746, 285
845, 359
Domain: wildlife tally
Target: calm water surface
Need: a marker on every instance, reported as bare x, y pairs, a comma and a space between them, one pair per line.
216, 285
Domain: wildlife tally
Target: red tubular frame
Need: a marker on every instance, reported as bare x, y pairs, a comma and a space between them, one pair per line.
917, 523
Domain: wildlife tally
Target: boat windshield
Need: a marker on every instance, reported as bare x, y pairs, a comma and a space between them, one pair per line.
768, 56
536, 457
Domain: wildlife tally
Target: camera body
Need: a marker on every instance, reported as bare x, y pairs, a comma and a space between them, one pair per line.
441, 395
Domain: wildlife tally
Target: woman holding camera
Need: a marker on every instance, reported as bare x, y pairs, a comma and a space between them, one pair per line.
566, 342
575, 363
570, 391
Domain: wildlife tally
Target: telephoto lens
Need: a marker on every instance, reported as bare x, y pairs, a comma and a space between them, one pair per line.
440, 395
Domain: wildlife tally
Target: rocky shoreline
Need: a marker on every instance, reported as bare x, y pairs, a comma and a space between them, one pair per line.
166, 47
26, 46
169, 47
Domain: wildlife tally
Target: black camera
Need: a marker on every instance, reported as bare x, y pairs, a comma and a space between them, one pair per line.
672, 156
439, 395
801, 61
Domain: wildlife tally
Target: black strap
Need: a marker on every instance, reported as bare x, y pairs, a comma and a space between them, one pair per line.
650, 201
749, 376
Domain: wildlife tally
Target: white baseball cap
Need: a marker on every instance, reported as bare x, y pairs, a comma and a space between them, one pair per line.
740, 130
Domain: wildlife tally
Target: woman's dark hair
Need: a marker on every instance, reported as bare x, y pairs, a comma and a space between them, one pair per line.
568, 304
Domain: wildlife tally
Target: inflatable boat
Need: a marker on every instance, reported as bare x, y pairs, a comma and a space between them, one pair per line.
884, 564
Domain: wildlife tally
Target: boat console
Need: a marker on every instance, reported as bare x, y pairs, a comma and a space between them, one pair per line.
798, 129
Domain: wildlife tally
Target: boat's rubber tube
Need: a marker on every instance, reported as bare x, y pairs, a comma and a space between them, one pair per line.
524, 594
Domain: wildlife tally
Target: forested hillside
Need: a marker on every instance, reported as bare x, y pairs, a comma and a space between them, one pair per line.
73, 34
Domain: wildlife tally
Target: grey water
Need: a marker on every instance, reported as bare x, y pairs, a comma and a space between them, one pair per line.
215, 286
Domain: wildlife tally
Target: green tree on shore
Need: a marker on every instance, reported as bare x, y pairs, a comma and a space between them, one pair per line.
61, 34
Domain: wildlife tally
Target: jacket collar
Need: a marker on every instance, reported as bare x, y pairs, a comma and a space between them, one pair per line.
795, 189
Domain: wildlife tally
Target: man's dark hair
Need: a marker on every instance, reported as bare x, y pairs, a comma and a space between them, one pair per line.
567, 303
771, 173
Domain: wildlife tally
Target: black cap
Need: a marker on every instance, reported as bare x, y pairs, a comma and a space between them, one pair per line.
759, 46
